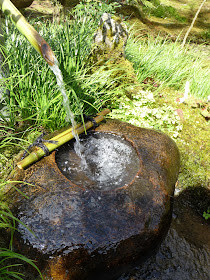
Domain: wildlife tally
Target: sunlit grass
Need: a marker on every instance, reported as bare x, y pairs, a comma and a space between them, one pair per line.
169, 64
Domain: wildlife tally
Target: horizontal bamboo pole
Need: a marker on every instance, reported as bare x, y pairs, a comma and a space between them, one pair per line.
61, 139
40, 45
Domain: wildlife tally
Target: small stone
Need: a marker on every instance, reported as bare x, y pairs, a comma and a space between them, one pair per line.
112, 32
206, 114
180, 113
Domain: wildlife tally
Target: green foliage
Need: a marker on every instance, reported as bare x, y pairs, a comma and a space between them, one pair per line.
170, 64
143, 111
206, 214
95, 9
11, 138
9, 268
34, 94
159, 10
206, 35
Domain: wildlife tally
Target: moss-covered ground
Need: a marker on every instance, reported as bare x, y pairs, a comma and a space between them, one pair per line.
193, 139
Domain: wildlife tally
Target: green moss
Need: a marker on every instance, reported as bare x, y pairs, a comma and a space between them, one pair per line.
113, 60
206, 34
188, 128
163, 11
194, 149
192, 142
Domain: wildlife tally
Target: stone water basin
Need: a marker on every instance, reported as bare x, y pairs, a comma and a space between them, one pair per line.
95, 222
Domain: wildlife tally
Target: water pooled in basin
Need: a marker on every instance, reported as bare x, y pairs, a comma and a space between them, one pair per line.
110, 162
69, 115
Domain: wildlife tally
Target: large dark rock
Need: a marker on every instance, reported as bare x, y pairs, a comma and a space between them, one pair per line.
22, 3
87, 232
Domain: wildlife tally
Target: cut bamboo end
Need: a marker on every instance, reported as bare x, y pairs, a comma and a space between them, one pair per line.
40, 45
61, 139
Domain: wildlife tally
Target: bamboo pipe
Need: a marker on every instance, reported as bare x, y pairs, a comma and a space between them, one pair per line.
61, 139
40, 45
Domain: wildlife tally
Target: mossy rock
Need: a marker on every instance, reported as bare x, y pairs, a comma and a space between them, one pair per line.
108, 50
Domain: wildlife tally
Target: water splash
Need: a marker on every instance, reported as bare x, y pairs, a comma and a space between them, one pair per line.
69, 114
111, 162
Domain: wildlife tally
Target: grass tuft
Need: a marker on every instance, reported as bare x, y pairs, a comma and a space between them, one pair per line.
169, 64
34, 94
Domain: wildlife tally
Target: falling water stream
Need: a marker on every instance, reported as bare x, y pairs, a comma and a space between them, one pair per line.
69, 114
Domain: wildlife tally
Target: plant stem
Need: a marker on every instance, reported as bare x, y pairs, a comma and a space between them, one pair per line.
193, 21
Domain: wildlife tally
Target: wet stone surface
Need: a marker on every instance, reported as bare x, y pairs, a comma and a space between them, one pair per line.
95, 231
185, 252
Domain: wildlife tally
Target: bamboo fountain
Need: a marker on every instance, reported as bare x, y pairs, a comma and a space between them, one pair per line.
85, 229
43, 48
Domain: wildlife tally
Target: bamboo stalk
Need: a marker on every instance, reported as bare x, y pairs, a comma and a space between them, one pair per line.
193, 21
61, 139
40, 45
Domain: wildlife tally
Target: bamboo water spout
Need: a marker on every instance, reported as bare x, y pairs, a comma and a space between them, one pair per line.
61, 139
40, 45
